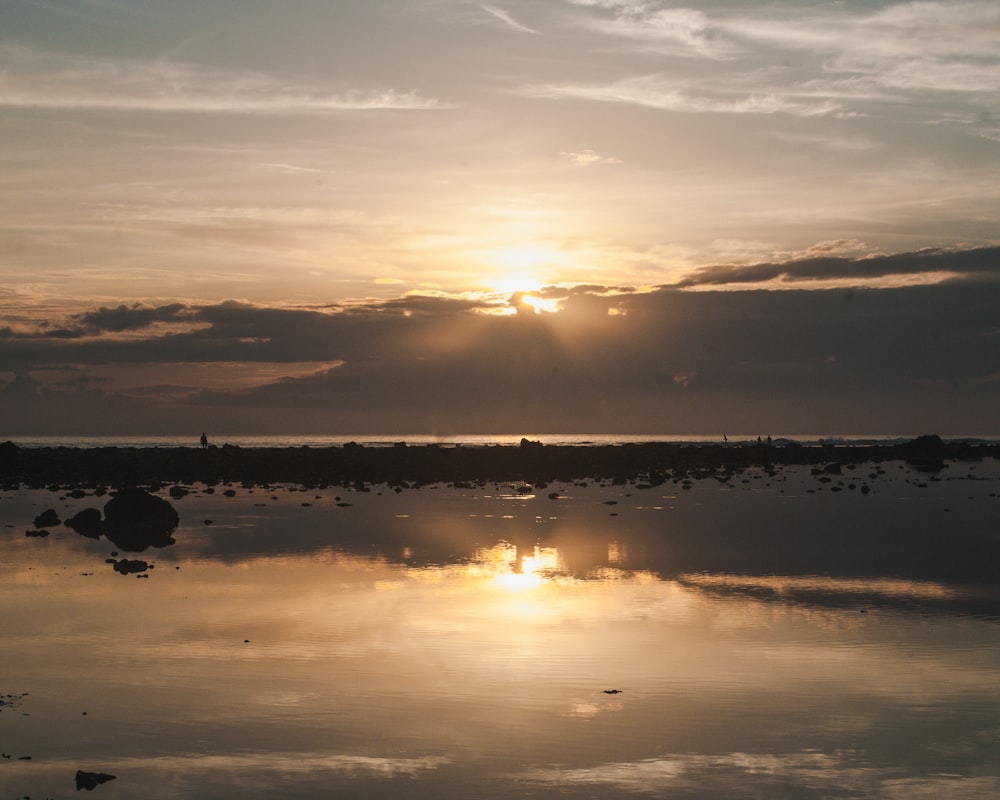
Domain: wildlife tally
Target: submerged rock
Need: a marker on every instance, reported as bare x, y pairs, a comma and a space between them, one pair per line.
87, 523
128, 566
135, 520
91, 780
47, 519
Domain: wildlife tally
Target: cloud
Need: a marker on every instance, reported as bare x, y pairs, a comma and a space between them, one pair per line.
130, 318
290, 169
42, 79
506, 18
918, 358
979, 262
588, 158
665, 93
679, 31
914, 46
845, 58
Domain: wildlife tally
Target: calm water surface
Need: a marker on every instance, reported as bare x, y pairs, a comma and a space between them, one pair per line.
773, 636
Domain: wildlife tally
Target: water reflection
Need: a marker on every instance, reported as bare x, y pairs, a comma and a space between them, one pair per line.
490, 643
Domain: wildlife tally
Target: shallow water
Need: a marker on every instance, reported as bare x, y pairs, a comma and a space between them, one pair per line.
776, 636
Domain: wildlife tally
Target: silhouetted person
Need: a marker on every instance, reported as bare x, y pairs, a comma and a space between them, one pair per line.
204, 440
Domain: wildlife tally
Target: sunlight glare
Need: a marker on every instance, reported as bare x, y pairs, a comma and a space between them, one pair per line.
540, 304
500, 563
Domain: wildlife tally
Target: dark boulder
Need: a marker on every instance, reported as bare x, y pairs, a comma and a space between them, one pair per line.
931, 443
135, 520
86, 523
47, 519
128, 566
8, 453
925, 453
91, 780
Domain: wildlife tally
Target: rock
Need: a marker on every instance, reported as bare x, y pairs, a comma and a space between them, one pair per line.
135, 520
128, 566
91, 780
8, 453
925, 453
86, 523
38, 534
929, 443
47, 519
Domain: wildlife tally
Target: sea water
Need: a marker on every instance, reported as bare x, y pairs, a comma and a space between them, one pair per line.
467, 440
766, 635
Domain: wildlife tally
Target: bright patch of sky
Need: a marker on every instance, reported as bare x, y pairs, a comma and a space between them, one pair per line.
200, 151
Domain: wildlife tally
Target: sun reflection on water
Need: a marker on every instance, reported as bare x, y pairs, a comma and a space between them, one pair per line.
503, 566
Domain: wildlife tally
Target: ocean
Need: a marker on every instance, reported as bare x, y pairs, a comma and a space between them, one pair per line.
774, 631
468, 440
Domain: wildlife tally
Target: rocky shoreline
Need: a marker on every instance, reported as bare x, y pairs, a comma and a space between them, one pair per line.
407, 466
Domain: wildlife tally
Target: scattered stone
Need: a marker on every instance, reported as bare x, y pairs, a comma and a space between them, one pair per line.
613, 691
47, 519
127, 566
12, 700
135, 520
87, 523
91, 780
38, 534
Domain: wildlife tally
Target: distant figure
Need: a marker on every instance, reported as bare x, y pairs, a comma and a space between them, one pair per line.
204, 440
768, 441
725, 439
758, 440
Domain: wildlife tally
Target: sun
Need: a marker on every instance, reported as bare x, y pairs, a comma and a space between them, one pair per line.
522, 270
522, 267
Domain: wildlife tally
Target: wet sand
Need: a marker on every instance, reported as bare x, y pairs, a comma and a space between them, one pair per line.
407, 466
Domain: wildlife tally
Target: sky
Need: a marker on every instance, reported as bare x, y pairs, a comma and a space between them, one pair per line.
446, 217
